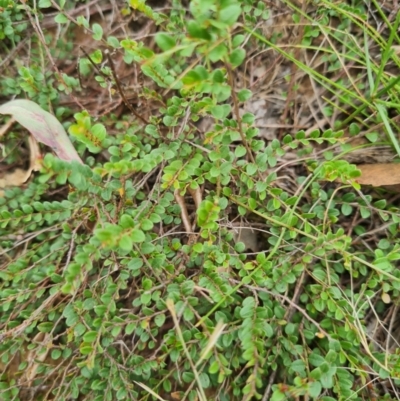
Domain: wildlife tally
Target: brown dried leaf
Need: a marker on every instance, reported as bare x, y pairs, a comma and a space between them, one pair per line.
19, 176
14, 179
379, 174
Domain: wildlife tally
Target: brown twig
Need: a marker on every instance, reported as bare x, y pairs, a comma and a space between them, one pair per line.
121, 92
236, 111
39, 32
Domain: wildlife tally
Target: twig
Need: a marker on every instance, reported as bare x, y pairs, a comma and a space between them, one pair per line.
121, 92
184, 213
270, 383
39, 32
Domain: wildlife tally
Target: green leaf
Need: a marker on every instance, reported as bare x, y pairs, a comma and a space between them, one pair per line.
147, 284
204, 380
86, 349
145, 298
240, 247
188, 315
126, 242
372, 136
113, 42
121, 393
126, 221
248, 118
45, 327
167, 385
240, 151
137, 235
277, 395
90, 336
27, 209
380, 204
252, 203
191, 78
159, 320
384, 244
214, 367
146, 225
326, 380
354, 129
237, 57
44, 3
55, 354
314, 389
115, 331
251, 168
298, 366
200, 8
99, 131
218, 76
346, 209
238, 40
196, 32
206, 213
316, 359
82, 21
130, 328
165, 41
230, 14
61, 19
217, 53
97, 31
244, 95
221, 111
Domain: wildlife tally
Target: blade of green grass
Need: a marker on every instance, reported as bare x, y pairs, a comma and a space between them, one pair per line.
383, 114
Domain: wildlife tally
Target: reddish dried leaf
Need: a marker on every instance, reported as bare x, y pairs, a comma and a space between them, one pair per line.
43, 126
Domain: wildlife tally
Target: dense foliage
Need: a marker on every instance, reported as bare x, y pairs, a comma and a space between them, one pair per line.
132, 276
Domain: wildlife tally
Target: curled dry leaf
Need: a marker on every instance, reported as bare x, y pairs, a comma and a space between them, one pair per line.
14, 179
19, 176
43, 126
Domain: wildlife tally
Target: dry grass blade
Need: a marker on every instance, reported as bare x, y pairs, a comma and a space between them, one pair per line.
219, 328
147, 388
171, 308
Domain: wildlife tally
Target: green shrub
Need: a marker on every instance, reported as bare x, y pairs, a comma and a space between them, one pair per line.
116, 273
